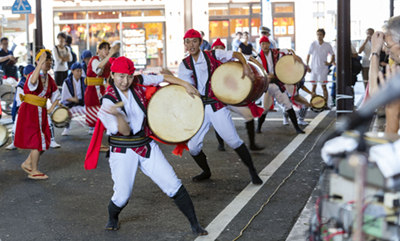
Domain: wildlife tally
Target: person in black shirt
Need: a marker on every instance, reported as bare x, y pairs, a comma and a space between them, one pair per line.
245, 47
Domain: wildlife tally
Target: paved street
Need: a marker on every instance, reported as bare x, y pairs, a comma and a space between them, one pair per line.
72, 204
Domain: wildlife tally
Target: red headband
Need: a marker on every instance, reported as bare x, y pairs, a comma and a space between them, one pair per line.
264, 39
218, 42
191, 33
122, 65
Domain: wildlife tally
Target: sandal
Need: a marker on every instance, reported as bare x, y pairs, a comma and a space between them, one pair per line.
26, 169
40, 176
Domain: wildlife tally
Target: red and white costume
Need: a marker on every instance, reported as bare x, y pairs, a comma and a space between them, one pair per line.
33, 130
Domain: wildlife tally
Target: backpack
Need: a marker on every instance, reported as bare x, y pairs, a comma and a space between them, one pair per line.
356, 68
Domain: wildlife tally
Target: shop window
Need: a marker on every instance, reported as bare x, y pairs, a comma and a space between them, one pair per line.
239, 25
283, 26
102, 31
255, 24
104, 15
256, 8
70, 15
133, 13
153, 13
219, 29
283, 8
78, 32
239, 9
218, 9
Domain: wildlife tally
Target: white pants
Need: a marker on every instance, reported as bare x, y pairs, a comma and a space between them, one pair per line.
77, 112
223, 124
124, 166
244, 111
281, 98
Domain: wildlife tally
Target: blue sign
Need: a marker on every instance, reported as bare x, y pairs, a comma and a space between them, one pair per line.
21, 6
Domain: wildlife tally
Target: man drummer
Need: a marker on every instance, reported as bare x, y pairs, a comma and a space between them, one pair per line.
268, 58
244, 111
73, 90
99, 69
197, 69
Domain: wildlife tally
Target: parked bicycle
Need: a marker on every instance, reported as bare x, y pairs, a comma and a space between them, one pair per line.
7, 98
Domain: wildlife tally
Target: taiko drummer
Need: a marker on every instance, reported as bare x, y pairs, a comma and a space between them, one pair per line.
244, 111
130, 143
268, 58
33, 130
197, 69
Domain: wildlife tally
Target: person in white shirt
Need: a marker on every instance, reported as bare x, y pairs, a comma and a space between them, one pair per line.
73, 91
197, 69
61, 55
365, 48
319, 66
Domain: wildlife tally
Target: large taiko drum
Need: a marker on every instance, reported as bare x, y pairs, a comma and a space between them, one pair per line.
61, 117
173, 115
229, 87
288, 71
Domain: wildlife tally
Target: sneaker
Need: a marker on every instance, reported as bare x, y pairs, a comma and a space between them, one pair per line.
65, 132
302, 122
11, 147
285, 121
91, 130
54, 144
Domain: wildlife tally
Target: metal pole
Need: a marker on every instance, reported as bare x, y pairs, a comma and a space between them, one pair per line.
391, 8
39, 32
28, 52
345, 95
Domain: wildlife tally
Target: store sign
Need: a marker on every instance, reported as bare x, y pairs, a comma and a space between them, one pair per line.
7, 8
21, 6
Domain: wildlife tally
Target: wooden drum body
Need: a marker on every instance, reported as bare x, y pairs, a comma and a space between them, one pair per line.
61, 117
173, 115
288, 71
318, 103
229, 87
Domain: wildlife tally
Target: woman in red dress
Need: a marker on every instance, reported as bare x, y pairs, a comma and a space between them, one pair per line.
32, 126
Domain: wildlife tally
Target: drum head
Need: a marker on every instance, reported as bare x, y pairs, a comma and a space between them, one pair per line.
173, 115
228, 85
60, 115
288, 71
318, 103
3, 135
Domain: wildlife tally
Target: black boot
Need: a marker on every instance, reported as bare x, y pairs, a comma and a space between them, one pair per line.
293, 118
261, 120
221, 146
184, 202
245, 156
251, 133
201, 160
113, 212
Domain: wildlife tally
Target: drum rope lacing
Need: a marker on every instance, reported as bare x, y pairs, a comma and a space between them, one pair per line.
284, 180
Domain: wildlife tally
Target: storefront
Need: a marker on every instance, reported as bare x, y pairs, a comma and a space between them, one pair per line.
141, 32
226, 19
283, 22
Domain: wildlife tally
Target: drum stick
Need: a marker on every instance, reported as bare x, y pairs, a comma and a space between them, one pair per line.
119, 104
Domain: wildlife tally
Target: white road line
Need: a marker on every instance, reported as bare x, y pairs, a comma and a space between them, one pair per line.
216, 226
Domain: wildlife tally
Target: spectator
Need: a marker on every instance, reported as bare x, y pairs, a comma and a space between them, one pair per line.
68, 43
264, 31
62, 55
85, 57
236, 42
204, 45
245, 47
391, 38
12, 43
319, 66
366, 50
7, 59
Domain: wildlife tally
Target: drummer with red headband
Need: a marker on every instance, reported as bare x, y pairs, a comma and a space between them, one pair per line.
244, 111
98, 69
33, 130
130, 143
197, 69
268, 58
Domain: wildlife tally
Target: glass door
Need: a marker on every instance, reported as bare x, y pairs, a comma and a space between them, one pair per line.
220, 29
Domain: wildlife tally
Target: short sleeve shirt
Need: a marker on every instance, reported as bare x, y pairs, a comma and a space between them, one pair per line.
319, 54
3, 54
